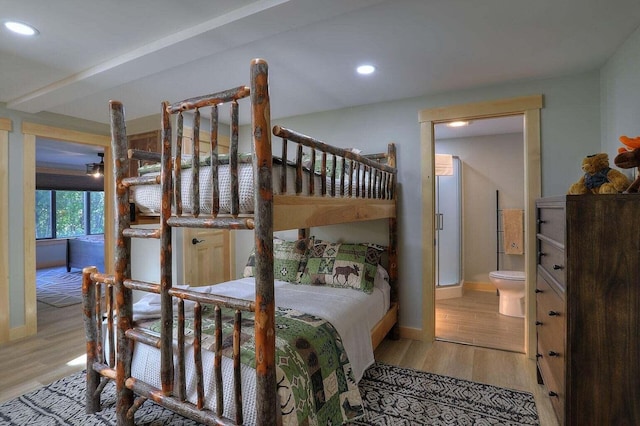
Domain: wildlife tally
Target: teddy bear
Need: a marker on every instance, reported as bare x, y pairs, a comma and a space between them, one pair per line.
629, 157
598, 177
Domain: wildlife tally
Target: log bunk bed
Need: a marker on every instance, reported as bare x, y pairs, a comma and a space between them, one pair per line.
352, 188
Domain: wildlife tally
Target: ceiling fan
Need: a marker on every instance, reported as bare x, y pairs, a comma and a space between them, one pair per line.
96, 169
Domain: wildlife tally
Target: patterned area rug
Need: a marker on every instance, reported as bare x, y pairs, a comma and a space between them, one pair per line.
59, 288
391, 395
401, 396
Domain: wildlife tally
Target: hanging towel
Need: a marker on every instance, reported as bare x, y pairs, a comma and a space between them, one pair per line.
512, 222
444, 164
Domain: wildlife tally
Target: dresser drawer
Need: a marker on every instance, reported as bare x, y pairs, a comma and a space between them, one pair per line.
551, 328
550, 319
552, 372
551, 223
552, 259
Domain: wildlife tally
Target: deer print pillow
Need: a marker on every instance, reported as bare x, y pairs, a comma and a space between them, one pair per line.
289, 259
342, 265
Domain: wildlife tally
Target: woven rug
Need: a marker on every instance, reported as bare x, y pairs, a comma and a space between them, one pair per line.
59, 288
391, 395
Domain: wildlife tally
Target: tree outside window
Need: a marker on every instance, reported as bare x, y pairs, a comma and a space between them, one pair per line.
64, 214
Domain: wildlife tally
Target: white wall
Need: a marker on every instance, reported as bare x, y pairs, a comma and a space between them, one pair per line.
620, 96
489, 163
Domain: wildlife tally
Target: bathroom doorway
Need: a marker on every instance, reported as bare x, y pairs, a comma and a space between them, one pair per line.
472, 164
529, 107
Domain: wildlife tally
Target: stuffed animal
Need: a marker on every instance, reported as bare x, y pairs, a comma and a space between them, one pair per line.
598, 177
629, 157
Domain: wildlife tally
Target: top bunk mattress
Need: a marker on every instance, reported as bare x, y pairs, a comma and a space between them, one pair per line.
148, 198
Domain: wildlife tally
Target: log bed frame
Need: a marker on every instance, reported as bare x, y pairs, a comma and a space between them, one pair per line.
342, 203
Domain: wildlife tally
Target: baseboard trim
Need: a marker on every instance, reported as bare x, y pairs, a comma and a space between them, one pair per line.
479, 286
16, 333
411, 333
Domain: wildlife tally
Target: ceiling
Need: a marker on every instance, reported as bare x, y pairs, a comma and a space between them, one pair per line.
145, 51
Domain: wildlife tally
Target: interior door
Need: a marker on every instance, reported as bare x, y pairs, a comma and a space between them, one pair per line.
206, 253
206, 256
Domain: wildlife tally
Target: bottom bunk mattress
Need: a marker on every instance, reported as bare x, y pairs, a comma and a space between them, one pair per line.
326, 394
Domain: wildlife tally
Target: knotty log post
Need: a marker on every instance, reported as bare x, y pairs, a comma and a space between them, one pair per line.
89, 306
177, 172
213, 141
233, 161
195, 165
266, 402
393, 241
166, 301
122, 267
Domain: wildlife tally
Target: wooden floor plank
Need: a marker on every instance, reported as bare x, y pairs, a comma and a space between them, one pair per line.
474, 319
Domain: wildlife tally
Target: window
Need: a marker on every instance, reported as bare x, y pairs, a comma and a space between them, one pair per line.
63, 214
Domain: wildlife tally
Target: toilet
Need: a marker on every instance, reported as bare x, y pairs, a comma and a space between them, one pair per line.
511, 287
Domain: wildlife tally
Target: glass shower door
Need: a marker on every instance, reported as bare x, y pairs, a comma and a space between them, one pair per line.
449, 227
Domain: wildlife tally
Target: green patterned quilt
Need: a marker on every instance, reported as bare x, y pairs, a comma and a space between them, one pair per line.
314, 377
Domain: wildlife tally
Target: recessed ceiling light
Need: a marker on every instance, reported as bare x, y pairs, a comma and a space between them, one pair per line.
365, 69
21, 28
458, 123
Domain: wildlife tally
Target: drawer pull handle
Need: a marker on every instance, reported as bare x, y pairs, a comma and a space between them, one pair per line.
552, 394
554, 314
540, 221
553, 353
538, 355
558, 267
539, 291
540, 256
538, 322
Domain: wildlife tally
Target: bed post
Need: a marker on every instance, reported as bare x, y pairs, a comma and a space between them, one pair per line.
393, 241
91, 336
122, 267
166, 300
266, 397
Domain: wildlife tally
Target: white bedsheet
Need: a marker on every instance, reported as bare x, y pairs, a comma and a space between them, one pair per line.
352, 313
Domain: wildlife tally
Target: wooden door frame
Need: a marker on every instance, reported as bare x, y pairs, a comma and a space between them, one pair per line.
529, 107
5, 318
30, 131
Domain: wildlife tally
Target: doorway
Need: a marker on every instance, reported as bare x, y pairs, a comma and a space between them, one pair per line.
31, 132
529, 107
489, 153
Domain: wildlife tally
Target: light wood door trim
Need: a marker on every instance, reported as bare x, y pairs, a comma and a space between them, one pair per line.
5, 323
529, 106
30, 131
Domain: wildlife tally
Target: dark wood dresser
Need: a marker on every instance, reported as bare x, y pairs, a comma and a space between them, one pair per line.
588, 307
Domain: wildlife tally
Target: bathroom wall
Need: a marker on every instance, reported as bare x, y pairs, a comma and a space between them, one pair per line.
489, 163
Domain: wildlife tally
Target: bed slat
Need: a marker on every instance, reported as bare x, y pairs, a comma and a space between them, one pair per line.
213, 137
233, 161
195, 165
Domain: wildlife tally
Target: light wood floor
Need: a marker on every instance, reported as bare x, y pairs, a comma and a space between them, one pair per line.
30, 363
474, 319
